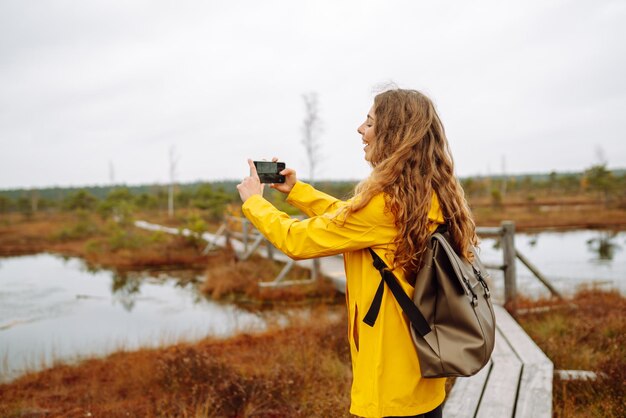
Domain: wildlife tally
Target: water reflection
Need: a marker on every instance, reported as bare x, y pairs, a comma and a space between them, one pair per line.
604, 245
532, 239
51, 310
126, 285
568, 259
125, 288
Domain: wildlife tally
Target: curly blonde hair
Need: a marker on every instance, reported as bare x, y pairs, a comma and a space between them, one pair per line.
411, 160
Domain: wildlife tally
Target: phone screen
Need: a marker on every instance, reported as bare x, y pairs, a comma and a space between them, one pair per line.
266, 167
268, 171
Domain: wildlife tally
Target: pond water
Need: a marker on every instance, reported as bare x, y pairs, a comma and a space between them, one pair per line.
54, 309
568, 259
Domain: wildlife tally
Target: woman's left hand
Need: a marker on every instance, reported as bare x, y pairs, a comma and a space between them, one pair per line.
250, 185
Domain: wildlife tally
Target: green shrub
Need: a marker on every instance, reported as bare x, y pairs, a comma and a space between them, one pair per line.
197, 226
83, 227
120, 238
158, 237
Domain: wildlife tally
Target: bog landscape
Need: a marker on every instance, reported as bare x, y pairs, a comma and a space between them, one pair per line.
100, 316
132, 284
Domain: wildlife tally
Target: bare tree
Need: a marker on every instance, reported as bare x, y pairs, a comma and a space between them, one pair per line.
173, 163
311, 130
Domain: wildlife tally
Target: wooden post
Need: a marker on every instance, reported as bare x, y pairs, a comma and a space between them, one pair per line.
509, 256
270, 250
315, 269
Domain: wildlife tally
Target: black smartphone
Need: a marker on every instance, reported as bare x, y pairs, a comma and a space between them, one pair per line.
268, 171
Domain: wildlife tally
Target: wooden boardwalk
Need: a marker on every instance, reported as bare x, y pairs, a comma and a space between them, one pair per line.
330, 267
516, 383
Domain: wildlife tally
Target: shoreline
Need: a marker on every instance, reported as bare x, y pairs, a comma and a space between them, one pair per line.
566, 227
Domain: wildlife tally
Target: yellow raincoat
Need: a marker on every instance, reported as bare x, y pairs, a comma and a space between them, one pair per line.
386, 373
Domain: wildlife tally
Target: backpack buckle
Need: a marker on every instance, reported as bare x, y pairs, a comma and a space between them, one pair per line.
379, 264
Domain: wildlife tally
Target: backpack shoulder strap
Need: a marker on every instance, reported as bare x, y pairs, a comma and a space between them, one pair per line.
418, 321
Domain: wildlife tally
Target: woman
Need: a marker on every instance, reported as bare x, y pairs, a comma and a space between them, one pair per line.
410, 191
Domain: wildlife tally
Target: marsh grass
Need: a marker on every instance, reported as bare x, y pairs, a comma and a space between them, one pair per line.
304, 370
100, 242
586, 332
301, 371
538, 217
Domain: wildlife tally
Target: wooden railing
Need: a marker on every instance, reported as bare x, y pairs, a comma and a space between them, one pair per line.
242, 230
506, 233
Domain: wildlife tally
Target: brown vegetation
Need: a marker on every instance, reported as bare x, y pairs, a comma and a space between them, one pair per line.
238, 281
576, 212
99, 242
302, 371
299, 371
587, 334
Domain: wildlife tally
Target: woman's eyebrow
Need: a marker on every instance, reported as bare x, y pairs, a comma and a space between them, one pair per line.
370, 116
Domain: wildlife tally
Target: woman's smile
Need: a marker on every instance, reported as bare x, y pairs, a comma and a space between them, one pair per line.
366, 130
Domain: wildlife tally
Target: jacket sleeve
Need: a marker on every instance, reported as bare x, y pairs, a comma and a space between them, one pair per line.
311, 201
321, 235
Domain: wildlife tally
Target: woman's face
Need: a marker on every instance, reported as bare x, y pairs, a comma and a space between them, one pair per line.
367, 133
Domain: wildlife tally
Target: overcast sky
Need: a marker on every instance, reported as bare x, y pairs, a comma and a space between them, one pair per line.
528, 86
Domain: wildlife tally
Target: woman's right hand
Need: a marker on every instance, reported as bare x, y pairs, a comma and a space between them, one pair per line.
290, 180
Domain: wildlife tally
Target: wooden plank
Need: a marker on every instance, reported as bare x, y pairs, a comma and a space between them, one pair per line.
577, 374
522, 344
535, 396
535, 391
500, 392
489, 230
463, 399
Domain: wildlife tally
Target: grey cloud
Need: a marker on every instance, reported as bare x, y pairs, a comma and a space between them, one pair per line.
82, 83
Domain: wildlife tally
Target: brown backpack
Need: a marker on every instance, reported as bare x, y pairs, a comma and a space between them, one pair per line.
451, 315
